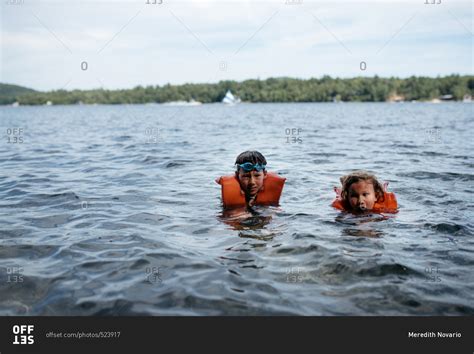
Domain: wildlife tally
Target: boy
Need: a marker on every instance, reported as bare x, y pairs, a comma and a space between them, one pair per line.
251, 184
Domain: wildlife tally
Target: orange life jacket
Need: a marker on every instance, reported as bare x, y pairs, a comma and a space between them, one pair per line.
387, 204
233, 196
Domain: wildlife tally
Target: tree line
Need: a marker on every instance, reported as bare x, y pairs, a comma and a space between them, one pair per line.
325, 89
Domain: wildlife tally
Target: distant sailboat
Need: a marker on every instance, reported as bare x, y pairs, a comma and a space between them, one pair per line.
230, 98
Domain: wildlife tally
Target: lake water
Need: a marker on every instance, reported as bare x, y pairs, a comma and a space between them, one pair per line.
113, 210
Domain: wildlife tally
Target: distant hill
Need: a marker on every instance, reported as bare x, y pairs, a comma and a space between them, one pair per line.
9, 93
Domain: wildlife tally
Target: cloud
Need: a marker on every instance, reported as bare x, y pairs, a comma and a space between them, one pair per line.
128, 43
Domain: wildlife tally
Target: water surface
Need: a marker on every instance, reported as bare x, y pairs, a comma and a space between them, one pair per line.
113, 210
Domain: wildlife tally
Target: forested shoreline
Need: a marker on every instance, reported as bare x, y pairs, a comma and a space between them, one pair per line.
325, 89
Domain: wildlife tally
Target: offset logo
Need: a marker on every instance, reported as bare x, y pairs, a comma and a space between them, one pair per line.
23, 334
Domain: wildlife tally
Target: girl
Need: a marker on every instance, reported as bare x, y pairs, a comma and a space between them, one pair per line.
362, 192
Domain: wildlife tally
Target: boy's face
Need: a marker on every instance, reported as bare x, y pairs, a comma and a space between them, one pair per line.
251, 182
361, 196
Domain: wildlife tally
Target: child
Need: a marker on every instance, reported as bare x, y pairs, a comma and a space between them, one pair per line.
362, 192
251, 184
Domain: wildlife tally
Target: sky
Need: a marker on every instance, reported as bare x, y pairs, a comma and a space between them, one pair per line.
51, 45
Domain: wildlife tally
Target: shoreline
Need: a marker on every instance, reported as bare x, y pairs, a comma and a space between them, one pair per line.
170, 104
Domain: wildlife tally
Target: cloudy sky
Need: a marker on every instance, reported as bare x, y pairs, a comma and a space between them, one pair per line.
73, 44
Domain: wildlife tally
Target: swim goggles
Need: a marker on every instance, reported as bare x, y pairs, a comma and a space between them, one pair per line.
248, 166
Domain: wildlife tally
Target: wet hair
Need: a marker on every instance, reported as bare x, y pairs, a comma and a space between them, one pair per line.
357, 176
252, 157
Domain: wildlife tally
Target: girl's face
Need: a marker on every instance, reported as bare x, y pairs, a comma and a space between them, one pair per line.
361, 196
251, 182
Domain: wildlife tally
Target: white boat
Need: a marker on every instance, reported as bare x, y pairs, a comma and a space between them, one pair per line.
229, 98
183, 103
